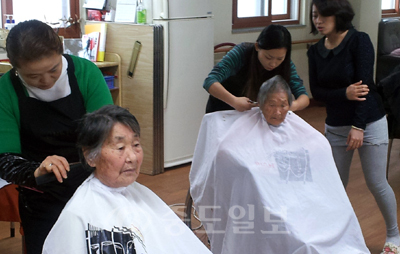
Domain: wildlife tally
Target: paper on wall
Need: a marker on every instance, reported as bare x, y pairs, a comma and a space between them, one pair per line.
125, 11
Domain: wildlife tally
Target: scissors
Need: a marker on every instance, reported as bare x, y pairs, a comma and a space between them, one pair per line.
252, 102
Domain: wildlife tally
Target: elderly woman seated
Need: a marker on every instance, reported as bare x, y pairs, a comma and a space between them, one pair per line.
110, 212
264, 181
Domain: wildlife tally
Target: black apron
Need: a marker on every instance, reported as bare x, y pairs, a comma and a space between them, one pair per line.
48, 128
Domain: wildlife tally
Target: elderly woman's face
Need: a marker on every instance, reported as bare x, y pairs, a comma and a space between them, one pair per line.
42, 73
121, 156
275, 108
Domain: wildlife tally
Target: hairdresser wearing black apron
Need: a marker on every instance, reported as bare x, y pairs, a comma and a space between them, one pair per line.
41, 100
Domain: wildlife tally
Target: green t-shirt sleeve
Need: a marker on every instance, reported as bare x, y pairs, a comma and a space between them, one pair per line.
9, 117
92, 85
296, 83
229, 65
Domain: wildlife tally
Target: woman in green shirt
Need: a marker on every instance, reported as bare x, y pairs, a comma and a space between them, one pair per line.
41, 100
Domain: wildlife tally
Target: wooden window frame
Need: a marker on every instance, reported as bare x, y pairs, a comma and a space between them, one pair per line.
73, 31
392, 12
284, 16
6, 8
253, 22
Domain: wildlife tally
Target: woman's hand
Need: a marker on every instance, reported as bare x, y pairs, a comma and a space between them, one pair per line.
243, 104
56, 164
301, 103
355, 139
355, 91
238, 103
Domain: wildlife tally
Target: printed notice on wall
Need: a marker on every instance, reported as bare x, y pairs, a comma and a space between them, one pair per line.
126, 11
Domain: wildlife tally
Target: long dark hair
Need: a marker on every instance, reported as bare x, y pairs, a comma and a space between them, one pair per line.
271, 37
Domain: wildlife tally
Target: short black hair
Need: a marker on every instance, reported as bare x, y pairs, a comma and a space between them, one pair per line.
341, 9
30, 41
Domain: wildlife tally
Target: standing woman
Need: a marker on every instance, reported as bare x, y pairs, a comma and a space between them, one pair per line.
341, 67
41, 99
234, 82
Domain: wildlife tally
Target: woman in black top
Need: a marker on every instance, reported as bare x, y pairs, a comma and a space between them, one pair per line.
341, 67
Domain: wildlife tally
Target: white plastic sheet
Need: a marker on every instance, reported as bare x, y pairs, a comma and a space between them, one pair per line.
265, 189
99, 219
3, 183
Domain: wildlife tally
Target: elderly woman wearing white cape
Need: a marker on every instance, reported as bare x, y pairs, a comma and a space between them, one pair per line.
264, 181
110, 212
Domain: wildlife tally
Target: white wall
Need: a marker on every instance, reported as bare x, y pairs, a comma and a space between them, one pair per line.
368, 15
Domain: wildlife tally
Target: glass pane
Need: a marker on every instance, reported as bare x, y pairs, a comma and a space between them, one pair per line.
266, 6
251, 8
388, 4
50, 11
279, 7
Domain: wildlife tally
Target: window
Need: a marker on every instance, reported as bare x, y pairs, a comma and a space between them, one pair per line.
50, 11
390, 8
260, 13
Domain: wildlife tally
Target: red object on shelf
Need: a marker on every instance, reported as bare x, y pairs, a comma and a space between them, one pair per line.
94, 15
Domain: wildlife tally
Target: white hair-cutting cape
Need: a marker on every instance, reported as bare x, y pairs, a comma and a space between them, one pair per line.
265, 189
99, 220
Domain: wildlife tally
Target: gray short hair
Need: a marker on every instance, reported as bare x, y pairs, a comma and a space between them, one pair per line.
273, 85
95, 127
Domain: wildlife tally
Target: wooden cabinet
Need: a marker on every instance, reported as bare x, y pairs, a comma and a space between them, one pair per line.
142, 94
112, 66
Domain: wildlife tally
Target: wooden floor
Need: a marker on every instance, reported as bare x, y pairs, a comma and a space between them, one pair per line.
173, 184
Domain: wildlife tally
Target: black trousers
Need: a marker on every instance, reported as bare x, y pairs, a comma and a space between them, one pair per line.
38, 212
